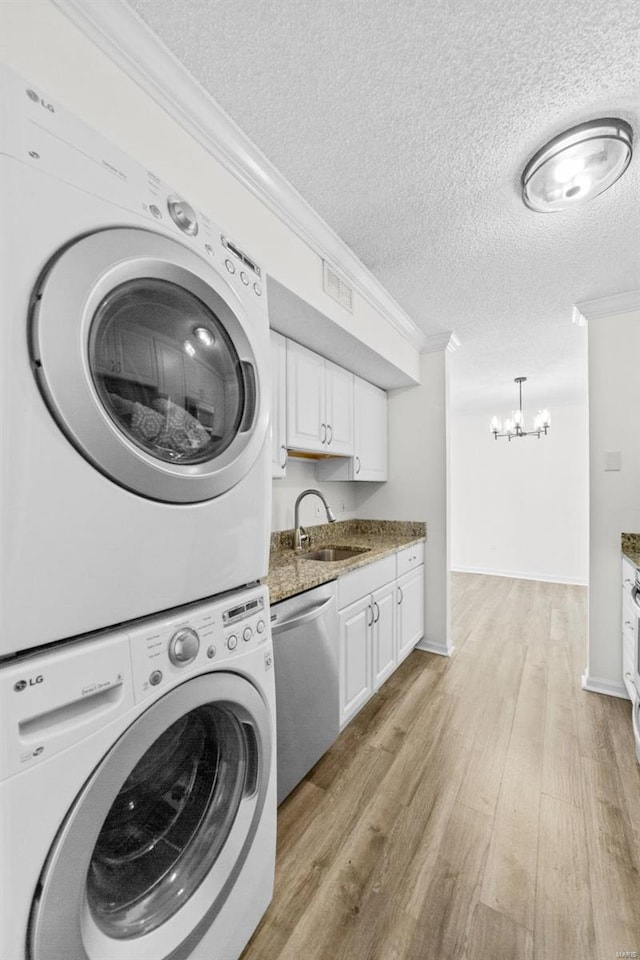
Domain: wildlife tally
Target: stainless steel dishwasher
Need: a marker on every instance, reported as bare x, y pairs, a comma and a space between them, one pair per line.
305, 648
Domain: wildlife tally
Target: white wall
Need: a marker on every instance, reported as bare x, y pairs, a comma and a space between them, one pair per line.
614, 425
43, 46
301, 474
417, 484
521, 508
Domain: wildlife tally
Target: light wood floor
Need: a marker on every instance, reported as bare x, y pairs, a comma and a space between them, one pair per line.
482, 807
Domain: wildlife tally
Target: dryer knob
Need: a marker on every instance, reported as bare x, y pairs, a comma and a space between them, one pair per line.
184, 646
183, 215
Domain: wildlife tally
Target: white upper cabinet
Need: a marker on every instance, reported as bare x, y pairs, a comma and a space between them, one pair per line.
370, 432
370, 449
319, 403
339, 407
278, 405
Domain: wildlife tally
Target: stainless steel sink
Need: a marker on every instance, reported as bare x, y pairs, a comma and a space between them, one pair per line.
332, 554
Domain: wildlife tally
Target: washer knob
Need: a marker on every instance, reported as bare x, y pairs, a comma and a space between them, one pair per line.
184, 646
183, 215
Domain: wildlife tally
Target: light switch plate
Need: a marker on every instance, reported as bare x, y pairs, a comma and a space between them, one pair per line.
612, 460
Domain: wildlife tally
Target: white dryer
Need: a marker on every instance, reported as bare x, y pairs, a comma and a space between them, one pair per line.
138, 790
134, 404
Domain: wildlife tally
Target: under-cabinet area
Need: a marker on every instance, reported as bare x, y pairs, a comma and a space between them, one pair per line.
323, 411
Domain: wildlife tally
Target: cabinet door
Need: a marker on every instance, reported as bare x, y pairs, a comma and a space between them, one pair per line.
370, 460
306, 421
339, 409
410, 611
384, 633
278, 405
137, 356
355, 657
171, 381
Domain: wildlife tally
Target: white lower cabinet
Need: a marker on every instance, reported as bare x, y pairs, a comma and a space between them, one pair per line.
381, 619
355, 658
384, 634
410, 611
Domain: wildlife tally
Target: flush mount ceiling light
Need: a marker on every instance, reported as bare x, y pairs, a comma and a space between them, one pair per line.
578, 165
514, 426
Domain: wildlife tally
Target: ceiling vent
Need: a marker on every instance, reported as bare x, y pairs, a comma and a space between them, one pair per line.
336, 287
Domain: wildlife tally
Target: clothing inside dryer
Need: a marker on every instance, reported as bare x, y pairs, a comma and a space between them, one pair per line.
167, 371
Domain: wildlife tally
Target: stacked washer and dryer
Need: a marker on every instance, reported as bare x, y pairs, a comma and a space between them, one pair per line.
136, 670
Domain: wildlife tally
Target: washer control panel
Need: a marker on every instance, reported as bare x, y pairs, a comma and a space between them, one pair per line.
44, 135
195, 639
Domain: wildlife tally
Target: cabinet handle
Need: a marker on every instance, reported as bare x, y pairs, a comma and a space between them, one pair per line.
370, 622
628, 581
330, 430
377, 617
401, 595
283, 456
323, 433
628, 623
357, 464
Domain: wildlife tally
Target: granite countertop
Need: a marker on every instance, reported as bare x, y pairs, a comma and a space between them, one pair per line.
288, 574
631, 548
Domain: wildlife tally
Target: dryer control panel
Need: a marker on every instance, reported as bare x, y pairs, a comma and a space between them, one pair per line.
187, 641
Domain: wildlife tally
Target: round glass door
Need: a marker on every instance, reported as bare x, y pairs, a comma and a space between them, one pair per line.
150, 365
168, 823
154, 842
167, 371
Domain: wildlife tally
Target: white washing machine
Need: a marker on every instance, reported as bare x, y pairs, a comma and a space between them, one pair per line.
138, 793
134, 397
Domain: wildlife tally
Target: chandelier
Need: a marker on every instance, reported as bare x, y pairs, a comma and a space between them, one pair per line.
514, 425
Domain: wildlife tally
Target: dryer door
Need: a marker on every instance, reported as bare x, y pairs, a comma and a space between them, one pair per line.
150, 365
154, 843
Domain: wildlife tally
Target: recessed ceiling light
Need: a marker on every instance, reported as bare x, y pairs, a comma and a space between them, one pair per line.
577, 165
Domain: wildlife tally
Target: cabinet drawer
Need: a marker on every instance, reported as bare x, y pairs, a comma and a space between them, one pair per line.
352, 586
409, 558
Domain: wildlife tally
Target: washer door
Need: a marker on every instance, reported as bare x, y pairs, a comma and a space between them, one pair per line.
152, 846
147, 360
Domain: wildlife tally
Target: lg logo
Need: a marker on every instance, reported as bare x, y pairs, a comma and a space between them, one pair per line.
31, 682
36, 99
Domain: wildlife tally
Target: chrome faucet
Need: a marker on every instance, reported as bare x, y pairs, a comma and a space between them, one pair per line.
300, 535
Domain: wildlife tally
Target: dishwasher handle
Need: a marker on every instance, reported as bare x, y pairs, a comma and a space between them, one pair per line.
311, 613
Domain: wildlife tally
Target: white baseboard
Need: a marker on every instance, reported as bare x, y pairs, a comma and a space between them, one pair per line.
432, 646
519, 575
610, 688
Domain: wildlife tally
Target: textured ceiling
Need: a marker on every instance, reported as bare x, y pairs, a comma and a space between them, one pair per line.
407, 125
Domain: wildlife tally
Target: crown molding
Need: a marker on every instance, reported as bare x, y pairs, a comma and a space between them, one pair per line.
606, 306
117, 30
440, 341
